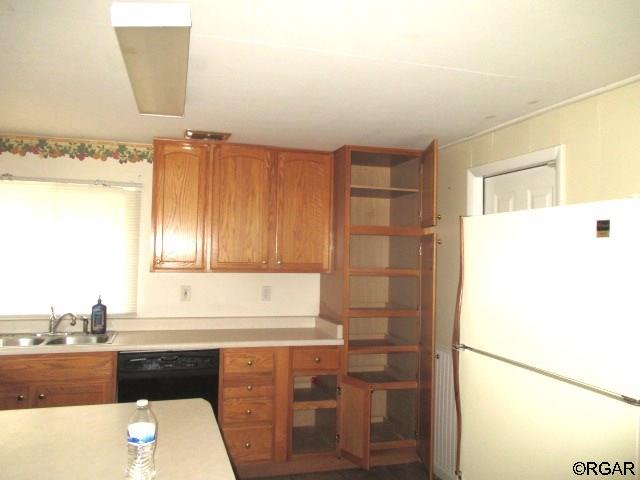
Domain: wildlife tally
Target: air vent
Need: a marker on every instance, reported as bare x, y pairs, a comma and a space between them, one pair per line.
204, 135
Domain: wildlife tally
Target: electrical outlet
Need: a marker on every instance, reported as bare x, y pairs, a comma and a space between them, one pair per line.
265, 293
185, 293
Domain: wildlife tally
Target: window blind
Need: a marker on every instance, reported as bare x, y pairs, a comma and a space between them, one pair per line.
63, 244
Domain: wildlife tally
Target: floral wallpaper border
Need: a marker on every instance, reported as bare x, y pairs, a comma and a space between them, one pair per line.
80, 149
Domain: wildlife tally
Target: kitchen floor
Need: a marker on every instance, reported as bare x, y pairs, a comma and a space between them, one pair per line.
410, 471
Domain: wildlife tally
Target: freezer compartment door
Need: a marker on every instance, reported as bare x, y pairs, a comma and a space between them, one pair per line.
520, 424
557, 288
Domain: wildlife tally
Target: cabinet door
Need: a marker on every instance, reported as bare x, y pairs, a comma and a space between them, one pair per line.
355, 434
429, 181
14, 396
71, 393
304, 211
241, 204
179, 201
426, 380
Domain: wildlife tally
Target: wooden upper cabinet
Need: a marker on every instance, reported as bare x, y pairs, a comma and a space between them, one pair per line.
179, 202
429, 175
243, 208
303, 211
243, 195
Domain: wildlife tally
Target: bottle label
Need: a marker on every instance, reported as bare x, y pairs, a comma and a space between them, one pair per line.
141, 433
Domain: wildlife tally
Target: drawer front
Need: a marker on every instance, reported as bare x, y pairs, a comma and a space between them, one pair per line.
58, 367
248, 444
316, 359
248, 389
247, 410
247, 362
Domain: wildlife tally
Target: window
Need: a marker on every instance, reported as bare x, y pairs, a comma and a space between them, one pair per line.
63, 244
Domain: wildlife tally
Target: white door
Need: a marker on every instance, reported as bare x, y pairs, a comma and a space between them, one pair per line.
520, 190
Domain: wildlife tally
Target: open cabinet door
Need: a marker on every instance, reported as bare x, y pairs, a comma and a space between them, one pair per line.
426, 380
429, 175
356, 421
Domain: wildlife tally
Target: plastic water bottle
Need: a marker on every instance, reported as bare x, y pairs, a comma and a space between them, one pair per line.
141, 440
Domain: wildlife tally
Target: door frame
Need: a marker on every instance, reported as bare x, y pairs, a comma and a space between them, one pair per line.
554, 156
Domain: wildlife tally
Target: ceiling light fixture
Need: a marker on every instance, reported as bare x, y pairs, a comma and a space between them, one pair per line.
204, 135
154, 41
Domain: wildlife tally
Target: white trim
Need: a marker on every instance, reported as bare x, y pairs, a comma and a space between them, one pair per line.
476, 175
583, 96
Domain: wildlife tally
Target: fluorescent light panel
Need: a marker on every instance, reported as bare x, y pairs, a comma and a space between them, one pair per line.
154, 41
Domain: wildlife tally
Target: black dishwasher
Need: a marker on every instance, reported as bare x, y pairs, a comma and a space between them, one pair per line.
169, 375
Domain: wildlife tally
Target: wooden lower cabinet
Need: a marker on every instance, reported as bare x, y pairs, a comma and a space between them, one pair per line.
279, 409
33, 381
249, 444
252, 406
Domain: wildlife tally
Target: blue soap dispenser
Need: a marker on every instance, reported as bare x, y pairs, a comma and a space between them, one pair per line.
99, 317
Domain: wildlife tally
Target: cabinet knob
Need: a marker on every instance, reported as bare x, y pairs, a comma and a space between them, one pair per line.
248, 411
249, 387
264, 262
20, 397
279, 262
439, 217
41, 396
247, 445
439, 241
317, 359
250, 363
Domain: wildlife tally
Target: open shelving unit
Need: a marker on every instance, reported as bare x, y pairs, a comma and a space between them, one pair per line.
314, 403
385, 201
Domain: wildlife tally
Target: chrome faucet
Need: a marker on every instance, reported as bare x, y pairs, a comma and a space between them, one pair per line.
54, 321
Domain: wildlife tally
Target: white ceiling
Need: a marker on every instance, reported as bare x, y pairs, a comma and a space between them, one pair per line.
318, 74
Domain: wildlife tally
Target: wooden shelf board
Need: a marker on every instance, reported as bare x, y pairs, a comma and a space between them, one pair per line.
381, 192
377, 312
382, 380
385, 230
381, 345
384, 272
387, 434
392, 444
314, 404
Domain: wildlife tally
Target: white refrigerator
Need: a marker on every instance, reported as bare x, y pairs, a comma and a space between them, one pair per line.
547, 342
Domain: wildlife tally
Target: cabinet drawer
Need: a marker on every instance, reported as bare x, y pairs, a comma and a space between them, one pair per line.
63, 367
247, 362
239, 410
316, 359
248, 389
247, 444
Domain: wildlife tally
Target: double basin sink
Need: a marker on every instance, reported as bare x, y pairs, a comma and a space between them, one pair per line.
35, 339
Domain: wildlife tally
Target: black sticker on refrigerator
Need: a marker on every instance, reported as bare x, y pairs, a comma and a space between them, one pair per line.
603, 228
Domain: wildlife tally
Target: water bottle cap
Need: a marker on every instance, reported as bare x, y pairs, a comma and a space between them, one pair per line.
142, 403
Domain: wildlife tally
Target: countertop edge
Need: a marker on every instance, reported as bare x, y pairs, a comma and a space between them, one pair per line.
149, 341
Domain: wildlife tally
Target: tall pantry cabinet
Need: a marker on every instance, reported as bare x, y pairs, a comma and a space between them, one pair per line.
382, 291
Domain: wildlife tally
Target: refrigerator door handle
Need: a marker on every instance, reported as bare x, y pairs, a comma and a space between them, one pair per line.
460, 347
455, 352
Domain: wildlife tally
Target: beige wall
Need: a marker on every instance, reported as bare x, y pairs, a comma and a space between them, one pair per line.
602, 139
213, 294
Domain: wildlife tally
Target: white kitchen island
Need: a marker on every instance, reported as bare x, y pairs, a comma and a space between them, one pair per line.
89, 442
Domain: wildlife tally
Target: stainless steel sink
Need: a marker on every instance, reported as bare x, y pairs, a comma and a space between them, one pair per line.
82, 339
20, 340
46, 339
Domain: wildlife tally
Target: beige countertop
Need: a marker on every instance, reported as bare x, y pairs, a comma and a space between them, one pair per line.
319, 332
90, 442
